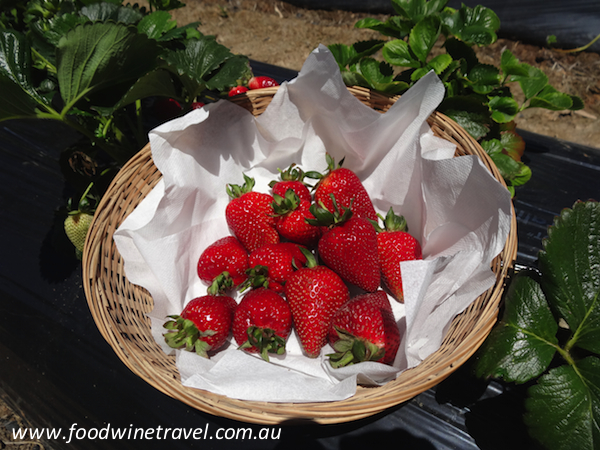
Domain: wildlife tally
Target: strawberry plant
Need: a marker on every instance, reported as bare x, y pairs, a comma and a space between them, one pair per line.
549, 335
109, 71
478, 96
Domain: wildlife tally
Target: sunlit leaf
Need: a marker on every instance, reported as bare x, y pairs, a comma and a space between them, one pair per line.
523, 343
570, 261
100, 55
563, 408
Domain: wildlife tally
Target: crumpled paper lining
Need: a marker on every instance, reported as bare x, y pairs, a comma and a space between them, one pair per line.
454, 206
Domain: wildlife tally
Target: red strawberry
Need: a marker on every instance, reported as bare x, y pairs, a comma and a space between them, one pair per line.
203, 325
349, 246
395, 244
314, 293
262, 322
292, 213
197, 105
364, 329
237, 90
261, 82
346, 187
223, 264
250, 215
272, 264
292, 179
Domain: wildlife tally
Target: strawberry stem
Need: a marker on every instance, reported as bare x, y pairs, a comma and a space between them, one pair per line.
265, 340
236, 191
185, 333
352, 350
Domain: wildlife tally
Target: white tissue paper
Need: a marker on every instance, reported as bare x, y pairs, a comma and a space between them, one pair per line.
454, 206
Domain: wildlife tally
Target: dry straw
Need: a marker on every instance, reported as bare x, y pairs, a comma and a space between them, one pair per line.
119, 308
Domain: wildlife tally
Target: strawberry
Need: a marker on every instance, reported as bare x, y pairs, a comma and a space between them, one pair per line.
395, 244
349, 246
292, 213
272, 264
261, 82
79, 219
250, 215
197, 105
346, 187
237, 90
203, 326
314, 293
76, 227
223, 264
292, 178
262, 322
364, 329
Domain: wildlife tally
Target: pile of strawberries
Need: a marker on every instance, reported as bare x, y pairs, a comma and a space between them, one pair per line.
294, 254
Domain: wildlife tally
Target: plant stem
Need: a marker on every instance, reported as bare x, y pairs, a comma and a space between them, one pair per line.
49, 66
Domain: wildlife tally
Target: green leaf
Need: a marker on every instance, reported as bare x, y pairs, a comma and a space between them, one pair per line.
533, 82
104, 12
397, 53
563, 408
459, 50
570, 262
550, 98
485, 78
577, 103
156, 24
347, 55
475, 26
232, 70
393, 27
423, 37
342, 53
196, 65
515, 173
504, 109
380, 76
440, 63
513, 144
19, 98
523, 343
510, 65
101, 55
157, 83
469, 112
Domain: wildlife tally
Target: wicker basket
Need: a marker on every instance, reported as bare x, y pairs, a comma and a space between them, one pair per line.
119, 308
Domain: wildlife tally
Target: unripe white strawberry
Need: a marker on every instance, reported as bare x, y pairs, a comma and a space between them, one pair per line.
76, 225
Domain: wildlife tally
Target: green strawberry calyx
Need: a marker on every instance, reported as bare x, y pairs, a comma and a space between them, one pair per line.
287, 204
221, 284
350, 349
327, 218
236, 191
184, 333
292, 173
265, 340
258, 276
391, 222
331, 166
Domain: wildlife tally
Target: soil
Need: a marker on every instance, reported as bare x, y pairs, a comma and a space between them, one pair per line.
278, 33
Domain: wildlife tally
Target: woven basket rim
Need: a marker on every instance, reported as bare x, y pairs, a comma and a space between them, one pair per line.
118, 307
